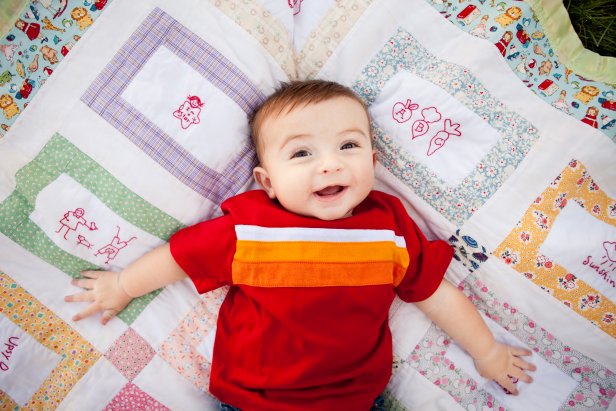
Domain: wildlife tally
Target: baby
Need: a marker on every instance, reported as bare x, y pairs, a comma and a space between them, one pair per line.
314, 261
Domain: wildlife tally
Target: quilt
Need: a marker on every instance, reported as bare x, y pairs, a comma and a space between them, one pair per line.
124, 121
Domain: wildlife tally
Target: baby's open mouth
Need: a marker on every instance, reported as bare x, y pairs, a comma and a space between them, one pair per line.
330, 191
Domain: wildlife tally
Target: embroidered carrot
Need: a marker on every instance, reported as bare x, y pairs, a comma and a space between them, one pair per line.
442, 136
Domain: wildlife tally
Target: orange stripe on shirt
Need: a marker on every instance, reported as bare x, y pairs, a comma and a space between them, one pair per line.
261, 251
306, 263
302, 274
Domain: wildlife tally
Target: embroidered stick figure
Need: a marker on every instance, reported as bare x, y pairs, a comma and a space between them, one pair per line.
421, 127
81, 240
440, 138
189, 111
72, 220
402, 112
113, 248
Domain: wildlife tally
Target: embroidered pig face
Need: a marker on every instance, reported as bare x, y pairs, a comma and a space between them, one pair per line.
189, 112
610, 249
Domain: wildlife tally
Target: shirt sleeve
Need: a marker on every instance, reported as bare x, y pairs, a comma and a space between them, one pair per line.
205, 252
428, 260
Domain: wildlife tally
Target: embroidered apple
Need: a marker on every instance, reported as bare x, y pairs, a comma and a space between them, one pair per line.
402, 112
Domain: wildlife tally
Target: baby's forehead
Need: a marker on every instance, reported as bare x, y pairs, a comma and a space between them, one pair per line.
273, 112
282, 112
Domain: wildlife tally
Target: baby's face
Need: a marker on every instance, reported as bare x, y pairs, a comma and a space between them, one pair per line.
317, 160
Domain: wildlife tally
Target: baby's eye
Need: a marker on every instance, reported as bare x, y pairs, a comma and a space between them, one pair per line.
349, 145
300, 153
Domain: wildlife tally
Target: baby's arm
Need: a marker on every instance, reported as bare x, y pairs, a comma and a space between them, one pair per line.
110, 292
449, 308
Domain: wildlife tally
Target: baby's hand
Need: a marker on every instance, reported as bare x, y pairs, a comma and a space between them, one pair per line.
104, 290
504, 365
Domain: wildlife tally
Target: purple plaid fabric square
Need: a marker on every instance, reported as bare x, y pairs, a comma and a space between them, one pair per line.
104, 96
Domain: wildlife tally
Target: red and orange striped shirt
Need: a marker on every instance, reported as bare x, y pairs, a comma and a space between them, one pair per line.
306, 318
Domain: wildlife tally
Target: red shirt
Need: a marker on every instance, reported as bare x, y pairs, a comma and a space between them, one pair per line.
305, 323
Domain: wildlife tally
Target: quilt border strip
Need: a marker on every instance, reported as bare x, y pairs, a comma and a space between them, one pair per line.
555, 20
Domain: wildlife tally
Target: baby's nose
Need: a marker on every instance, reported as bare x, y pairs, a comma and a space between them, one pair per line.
331, 165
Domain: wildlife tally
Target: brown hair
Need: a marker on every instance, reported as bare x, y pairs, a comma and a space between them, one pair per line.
290, 95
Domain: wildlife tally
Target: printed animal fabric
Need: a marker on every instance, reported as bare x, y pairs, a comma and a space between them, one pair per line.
123, 121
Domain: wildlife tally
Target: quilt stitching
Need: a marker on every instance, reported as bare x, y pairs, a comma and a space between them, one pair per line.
458, 203
104, 97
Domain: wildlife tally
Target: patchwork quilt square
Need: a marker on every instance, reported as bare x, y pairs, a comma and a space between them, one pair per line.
565, 244
206, 97
438, 129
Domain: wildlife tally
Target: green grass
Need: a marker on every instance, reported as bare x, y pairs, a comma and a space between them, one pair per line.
9, 10
593, 21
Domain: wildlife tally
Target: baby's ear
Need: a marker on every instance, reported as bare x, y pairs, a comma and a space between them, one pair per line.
262, 178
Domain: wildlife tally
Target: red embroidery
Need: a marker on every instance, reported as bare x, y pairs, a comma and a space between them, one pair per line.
189, 112
295, 5
71, 221
421, 127
440, 138
402, 112
7, 352
112, 249
610, 250
81, 240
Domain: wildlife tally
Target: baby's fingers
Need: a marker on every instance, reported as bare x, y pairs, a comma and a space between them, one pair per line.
524, 365
84, 283
520, 352
91, 274
80, 297
107, 316
508, 384
520, 366
88, 311
519, 374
